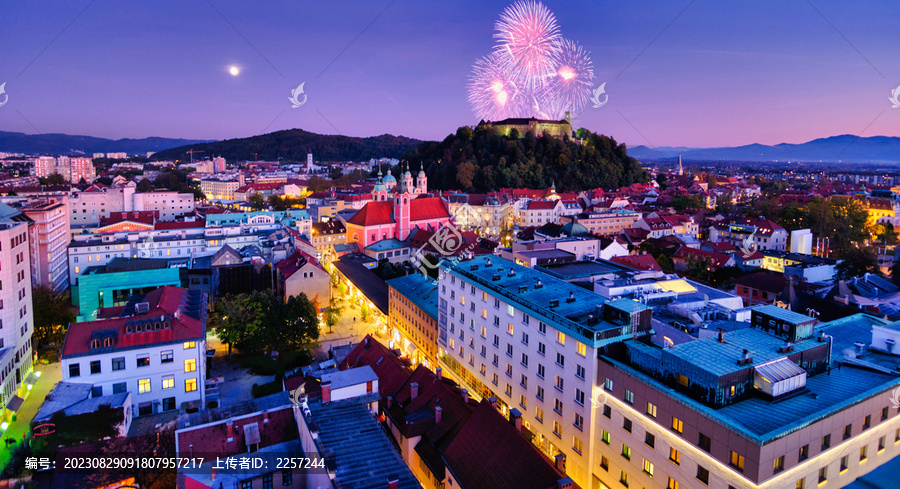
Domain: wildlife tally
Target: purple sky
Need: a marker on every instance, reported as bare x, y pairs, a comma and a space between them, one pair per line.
720, 74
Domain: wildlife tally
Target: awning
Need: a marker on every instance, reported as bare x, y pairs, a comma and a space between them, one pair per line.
31, 378
15, 403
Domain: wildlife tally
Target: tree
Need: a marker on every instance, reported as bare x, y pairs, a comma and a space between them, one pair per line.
332, 314
54, 179
682, 202
237, 319
895, 273
256, 201
857, 262
52, 315
144, 186
885, 234
661, 180
292, 323
318, 184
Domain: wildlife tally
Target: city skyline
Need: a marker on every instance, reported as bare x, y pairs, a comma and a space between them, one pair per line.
691, 75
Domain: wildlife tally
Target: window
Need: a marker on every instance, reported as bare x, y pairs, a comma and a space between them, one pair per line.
560, 359
884, 414
703, 475
608, 385
863, 453
604, 463
576, 444
539, 415
508, 370
168, 404
523, 401
509, 350
881, 444
779, 464
540, 393
166, 356
95, 366
120, 388
848, 431
704, 442
677, 425
607, 411
674, 456
626, 451
579, 396
804, 452
626, 425
143, 386
629, 396
648, 467
524, 381
651, 410
867, 422
823, 474
168, 382
524, 359
801, 484
579, 421
623, 478
649, 439
582, 349
74, 370
605, 437
540, 371
143, 361
826, 442
542, 349
673, 484
737, 461
287, 477
509, 328
118, 363
560, 337
190, 344
557, 429
542, 328
190, 385
845, 462
558, 406
559, 383
525, 338
267, 481
579, 372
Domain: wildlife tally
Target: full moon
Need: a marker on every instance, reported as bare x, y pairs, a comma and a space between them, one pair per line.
234, 71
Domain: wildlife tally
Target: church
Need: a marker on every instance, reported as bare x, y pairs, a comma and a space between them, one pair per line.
396, 210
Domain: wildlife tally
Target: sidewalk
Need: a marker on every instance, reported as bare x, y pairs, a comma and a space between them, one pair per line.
50, 375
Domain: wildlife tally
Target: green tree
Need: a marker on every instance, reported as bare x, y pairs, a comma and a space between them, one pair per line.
54, 179
237, 319
52, 315
144, 186
884, 232
857, 262
256, 201
682, 202
661, 179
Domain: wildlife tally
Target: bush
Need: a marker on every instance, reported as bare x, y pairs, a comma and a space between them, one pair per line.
266, 389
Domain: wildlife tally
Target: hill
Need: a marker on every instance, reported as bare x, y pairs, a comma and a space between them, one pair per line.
64, 144
845, 148
480, 160
294, 144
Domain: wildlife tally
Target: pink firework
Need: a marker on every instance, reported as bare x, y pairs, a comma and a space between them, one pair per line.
528, 34
493, 93
570, 87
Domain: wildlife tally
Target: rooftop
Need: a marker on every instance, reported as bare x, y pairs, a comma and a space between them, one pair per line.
421, 291
783, 314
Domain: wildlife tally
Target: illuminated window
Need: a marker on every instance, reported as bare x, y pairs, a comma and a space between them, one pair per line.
582, 349
677, 425
560, 337
737, 461
190, 344
190, 385
143, 386
190, 365
674, 456
648, 467
168, 383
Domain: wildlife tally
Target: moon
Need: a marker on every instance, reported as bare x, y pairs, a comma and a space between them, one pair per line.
234, 71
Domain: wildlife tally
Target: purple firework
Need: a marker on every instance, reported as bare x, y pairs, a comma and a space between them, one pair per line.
528, 34
493, 92
570, 87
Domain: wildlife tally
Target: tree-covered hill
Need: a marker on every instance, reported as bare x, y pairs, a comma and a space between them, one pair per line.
480, 160
294, 144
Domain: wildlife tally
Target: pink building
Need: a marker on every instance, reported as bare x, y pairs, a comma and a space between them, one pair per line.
48, 240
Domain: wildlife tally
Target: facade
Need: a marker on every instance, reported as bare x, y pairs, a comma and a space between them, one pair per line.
392, 250
88, 207
531, 341
154, 348
538, 127
215, 189
113, 284
16, 315
490, 214
325, 235
759, 233
80, 168
608, 223
412, 316
300, 273
539, 212
48, 239
169, 205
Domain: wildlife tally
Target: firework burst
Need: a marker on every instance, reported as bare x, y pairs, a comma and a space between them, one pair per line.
533, 71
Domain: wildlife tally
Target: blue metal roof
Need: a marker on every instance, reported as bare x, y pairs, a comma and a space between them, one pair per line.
783, 314
422, 291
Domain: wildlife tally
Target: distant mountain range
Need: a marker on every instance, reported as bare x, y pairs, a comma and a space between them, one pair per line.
64, 144
835, 149
294, 144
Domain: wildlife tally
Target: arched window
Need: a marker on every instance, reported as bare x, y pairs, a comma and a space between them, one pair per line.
405, 201
95, 343
107, 342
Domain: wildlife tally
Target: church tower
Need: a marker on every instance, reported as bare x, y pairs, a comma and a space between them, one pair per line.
401, 208
680, 169
408, 179
379, 193
421, 181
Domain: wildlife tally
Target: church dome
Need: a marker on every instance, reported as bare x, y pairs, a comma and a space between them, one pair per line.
389, 179
574, 229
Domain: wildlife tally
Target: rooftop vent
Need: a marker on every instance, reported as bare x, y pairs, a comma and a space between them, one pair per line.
571, 297
747, 360
487, 263
523, 288
554, 303
788, 347
142, 308
538, 284
473, 268
495, 277
512, 273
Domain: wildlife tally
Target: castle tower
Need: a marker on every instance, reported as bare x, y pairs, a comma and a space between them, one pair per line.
421, 181
401, 208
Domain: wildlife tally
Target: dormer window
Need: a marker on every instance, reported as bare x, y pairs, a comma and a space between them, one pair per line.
107, 342
95, 343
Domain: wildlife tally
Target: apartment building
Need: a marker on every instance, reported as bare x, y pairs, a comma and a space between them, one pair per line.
412, 317
48, 239
532, 341
215, 189
759, 233
608, 223
154, 347
170, 205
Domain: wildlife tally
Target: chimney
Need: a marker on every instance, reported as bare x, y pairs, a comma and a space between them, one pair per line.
413, 390
230, 430
721, 335
515, 418
437, 414
390, 401
571, 297
439, 373
560, 462
393, 484
326, 391
565, 483
493, 402
465, 395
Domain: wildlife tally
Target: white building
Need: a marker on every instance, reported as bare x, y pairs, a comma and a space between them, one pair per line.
170, 204
532, 341
154, 349
88, 207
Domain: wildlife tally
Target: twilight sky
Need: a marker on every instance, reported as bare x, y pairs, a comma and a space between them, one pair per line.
678, 73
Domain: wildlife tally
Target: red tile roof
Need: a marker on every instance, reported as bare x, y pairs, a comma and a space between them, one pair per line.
716, 259
297, 260
639, 262
374, 213
167, 304
213, 438
425, 208
392, 372
489, 452
541, 204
